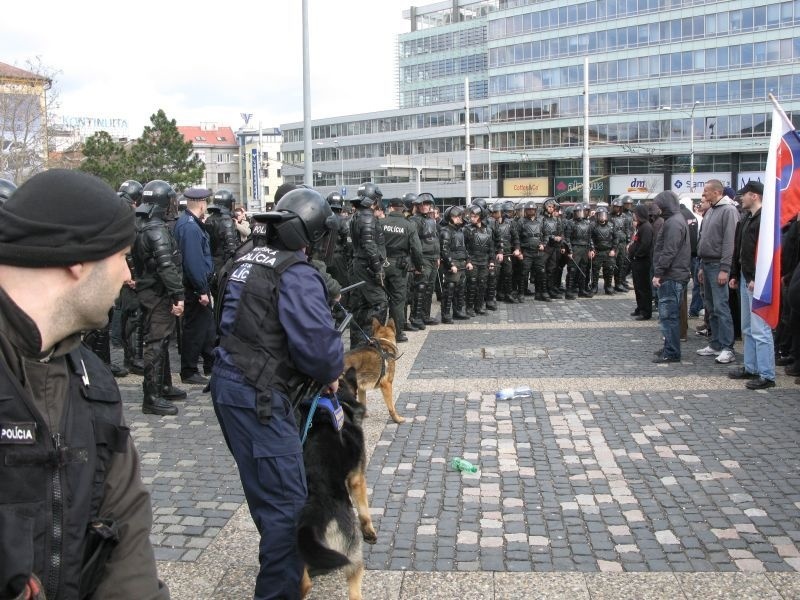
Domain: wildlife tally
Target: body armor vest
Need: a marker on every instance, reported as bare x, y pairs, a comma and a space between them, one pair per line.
506, 231
551, 226
580, 233
250, 331
367, 236
154, 249
428, 235
55, 481
603, 236
222, 234
530, 234
454, 248
480, 245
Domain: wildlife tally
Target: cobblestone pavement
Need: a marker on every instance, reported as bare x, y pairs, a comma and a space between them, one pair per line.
606, 476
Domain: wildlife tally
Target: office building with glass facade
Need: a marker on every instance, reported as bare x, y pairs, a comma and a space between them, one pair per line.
669, 81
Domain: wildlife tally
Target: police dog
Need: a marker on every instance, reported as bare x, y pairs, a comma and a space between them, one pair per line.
328, 536
374, 365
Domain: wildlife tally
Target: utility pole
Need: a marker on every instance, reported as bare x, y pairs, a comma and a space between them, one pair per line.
308, 174
467, 162
586, 162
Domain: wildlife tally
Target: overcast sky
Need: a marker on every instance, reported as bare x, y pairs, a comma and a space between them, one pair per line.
204, 61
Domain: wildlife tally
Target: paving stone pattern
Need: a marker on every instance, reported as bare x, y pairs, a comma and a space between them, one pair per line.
590, 481
192, 477
551, 352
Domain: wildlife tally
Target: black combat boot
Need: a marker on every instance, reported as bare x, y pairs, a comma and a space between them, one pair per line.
132, 346
154, 403
169, 391
99, 342
458, 303
418, 307
447, 302
471, 293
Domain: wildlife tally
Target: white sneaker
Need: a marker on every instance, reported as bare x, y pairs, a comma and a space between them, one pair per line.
708, 351
725, 357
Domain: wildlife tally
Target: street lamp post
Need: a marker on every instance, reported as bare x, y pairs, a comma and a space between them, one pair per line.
691, 142
341, 166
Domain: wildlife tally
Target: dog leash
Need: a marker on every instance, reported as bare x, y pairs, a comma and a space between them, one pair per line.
309, 418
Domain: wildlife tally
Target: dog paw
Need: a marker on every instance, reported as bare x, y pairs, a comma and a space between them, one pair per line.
370, 537
398, 419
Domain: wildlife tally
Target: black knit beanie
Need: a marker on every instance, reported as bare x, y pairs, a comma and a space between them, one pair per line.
61, 217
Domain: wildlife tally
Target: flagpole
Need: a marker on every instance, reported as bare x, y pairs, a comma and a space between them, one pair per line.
777, 106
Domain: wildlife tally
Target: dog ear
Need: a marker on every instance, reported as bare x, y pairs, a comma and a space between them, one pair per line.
351, 379
390, 323
376, 325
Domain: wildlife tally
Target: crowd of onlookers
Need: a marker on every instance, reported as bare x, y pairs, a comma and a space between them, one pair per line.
711, 246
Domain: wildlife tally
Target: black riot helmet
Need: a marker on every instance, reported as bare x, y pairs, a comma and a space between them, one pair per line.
508, 209
425, 198
578, 212
6, 189
601, 214
369, 193
303, 219
550, 202
224, 198
335, 201
616, 206
157, 196
131, 190
409, 200
626, 200
475, 210
530, 209
453, 212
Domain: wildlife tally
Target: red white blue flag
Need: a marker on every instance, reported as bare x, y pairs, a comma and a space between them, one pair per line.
780, 203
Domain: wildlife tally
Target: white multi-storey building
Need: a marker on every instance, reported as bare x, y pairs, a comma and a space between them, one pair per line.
671, 82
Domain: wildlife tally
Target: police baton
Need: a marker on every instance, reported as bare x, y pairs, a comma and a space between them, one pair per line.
576, 266
349, 288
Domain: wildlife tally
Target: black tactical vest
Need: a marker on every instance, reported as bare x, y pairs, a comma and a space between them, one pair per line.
428, 235
53, 483
603, 236
256, 343
530, 234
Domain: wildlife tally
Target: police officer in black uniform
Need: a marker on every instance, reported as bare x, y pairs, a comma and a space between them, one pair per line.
481, 251
533, 243
159, 288
221, 228
275, 333
130, 313
605, 241
553, 234
509, 248
343, 251
627, 213
369, 260
624, 237
455, 263
577, 236
425, 282
403, 250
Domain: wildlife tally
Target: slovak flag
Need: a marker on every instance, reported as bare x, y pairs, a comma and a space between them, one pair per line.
781, 202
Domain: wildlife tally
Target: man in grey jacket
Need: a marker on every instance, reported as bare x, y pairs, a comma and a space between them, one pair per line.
715, 249
672, 258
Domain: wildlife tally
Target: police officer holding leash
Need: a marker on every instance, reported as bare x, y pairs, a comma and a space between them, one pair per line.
75, 517
275, 331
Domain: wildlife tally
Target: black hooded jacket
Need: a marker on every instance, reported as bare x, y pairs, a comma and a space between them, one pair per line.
672, 254
641, 248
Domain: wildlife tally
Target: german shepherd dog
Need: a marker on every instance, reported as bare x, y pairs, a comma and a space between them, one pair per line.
374, 365
328, 536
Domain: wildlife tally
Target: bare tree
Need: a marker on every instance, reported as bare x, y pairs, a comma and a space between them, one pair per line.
27, 104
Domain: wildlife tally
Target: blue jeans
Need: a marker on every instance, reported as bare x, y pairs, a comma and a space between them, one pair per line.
759, 349
697, 296
670, 295
720, 318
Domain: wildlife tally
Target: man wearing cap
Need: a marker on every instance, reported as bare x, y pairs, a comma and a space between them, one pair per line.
715, 249
759, 349
71, 489
198, 269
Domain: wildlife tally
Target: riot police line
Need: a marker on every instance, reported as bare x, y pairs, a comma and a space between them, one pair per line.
406, 251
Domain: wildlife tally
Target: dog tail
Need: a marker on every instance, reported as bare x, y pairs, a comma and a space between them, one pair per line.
316, 553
